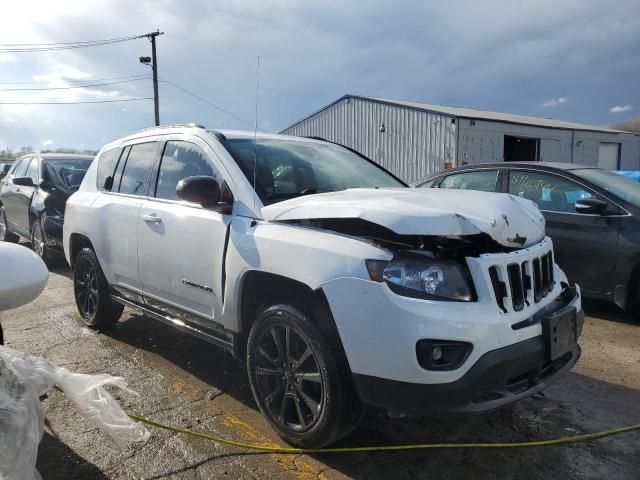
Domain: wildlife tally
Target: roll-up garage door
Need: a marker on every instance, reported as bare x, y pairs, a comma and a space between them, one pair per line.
609, 155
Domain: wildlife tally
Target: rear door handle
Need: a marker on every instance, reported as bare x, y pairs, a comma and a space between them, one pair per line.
151, 218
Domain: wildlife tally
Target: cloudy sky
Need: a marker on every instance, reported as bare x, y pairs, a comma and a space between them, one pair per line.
575, 60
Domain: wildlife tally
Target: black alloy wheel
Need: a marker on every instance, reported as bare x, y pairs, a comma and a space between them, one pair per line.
38, 240
300, 379
85, 286
92, 294
288, 377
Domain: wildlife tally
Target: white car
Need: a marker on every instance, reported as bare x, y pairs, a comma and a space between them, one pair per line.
339, 286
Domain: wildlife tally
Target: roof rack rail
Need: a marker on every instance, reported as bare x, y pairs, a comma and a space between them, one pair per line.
175, 125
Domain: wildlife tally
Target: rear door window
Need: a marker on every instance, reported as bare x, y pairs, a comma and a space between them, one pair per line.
482, 180
550, 192
180, 160
137, 169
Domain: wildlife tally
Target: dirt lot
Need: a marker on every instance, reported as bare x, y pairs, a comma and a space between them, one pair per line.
186, 382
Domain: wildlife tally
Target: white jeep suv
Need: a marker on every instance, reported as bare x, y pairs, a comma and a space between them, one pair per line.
337, 284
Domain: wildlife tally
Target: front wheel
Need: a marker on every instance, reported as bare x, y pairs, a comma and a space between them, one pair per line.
91, 290
296, 381
38, 244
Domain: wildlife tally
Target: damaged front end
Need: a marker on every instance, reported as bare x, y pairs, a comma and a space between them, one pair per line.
430, 267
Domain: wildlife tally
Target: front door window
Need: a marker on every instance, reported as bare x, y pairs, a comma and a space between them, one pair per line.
549, 192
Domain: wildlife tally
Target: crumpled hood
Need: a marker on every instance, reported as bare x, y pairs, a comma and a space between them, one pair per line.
511, 221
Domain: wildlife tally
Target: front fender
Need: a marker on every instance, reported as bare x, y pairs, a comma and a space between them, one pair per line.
307, 255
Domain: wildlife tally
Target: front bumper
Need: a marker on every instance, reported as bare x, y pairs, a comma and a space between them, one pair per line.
498, 378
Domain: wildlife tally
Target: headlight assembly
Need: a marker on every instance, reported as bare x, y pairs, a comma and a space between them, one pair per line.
420, 277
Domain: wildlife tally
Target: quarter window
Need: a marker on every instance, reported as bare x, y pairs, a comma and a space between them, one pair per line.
106, 167
136, 171
550, 192
483, 180
429, 183
181, 160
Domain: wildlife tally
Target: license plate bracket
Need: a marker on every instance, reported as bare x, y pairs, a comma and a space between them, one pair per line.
559, 332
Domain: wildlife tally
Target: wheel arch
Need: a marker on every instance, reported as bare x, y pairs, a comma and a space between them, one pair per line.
259, 290
633, 287
77, 242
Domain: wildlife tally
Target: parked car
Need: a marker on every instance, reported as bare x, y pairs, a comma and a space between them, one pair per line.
5, 165
33, 197
632, 174
336, 283
592, 216
23, 276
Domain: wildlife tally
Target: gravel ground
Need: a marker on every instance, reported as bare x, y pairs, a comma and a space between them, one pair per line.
186, 382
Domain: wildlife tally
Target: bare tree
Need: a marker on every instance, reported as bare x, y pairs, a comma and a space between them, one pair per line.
631, 125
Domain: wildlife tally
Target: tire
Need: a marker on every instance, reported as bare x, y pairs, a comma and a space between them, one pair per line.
5, 234
296, 379
91, 290
38, 244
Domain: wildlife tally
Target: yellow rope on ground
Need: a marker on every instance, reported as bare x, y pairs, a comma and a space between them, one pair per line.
389, 448
384, 448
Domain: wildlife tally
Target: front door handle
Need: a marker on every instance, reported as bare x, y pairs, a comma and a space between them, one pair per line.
151, 218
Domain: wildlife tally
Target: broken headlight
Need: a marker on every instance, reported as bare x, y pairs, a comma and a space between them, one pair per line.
426, 278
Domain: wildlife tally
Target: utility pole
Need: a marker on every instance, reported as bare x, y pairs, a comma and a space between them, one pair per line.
154, 68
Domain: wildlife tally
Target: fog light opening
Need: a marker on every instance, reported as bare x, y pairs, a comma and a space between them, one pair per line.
442, 354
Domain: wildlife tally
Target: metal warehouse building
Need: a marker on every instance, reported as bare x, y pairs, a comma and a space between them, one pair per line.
413, 140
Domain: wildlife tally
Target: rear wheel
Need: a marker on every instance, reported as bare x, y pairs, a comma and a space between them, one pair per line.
91, 290
5, 234
296, 381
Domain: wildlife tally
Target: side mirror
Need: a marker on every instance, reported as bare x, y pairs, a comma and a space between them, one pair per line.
204, 190
22, 277
24, 182
591, 206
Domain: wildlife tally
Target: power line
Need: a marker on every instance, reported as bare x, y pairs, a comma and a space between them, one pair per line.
77, 103
74, 86
132, 77
64, 46
163, 80
2, 45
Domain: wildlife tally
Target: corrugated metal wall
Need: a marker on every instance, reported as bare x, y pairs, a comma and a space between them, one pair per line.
413, 145
483, 142
417, 143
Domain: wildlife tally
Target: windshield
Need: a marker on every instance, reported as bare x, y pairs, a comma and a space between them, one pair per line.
289, 168
67, 172
622, 187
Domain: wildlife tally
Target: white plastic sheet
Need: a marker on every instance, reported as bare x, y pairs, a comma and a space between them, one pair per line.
23, 379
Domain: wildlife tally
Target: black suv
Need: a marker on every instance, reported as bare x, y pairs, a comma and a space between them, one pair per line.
33, 196
592, 215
